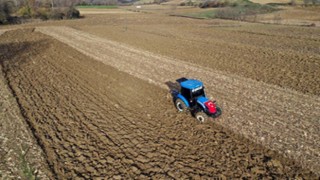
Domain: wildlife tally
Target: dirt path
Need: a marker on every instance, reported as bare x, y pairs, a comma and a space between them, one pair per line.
281, 119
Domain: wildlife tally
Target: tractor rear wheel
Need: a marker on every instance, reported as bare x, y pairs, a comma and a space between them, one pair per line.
181, 106
201, 116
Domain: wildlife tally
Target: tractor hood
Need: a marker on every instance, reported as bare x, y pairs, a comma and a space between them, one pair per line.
201, 100
207, 104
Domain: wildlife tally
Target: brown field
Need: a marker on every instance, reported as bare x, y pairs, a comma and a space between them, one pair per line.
271, 1
300, 15
94, 93
103, 11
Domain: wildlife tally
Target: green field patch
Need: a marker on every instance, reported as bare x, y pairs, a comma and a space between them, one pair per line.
201, 15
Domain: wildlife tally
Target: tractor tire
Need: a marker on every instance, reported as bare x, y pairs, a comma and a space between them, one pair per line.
201, 116
219, 112
181, 106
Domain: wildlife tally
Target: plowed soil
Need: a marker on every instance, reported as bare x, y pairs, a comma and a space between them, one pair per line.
248, 104
286, 56
93, 120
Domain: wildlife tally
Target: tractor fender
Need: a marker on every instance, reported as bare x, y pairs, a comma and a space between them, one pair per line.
179, 96
174, 93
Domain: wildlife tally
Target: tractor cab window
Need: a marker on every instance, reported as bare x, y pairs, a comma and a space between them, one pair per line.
198, 92
186, 93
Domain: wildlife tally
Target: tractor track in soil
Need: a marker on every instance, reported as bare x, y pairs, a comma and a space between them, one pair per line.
92, 120
280, 119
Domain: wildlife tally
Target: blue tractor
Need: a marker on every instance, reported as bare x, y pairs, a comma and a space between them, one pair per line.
192, 97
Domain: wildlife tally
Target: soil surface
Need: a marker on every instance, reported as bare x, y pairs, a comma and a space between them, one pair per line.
285, 56
2, 31
93, 120
292, 127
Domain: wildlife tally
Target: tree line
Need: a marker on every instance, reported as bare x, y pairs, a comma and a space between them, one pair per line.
16, 11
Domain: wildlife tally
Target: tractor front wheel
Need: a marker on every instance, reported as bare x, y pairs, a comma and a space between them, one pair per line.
181, 106
201, 116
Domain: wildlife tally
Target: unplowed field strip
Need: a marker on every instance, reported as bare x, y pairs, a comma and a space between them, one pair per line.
16, 139
280, 119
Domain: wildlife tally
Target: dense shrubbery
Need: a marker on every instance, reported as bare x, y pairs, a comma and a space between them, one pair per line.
240, 12
6, 8
49, 13
231, 9
188, 3
214, 3
32, 10
224, 3
313, 2
234, 3
217, 3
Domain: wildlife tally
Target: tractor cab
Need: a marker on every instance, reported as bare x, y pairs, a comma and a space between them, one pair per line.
192, 89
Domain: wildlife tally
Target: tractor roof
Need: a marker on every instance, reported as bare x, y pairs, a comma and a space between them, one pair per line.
191, 84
